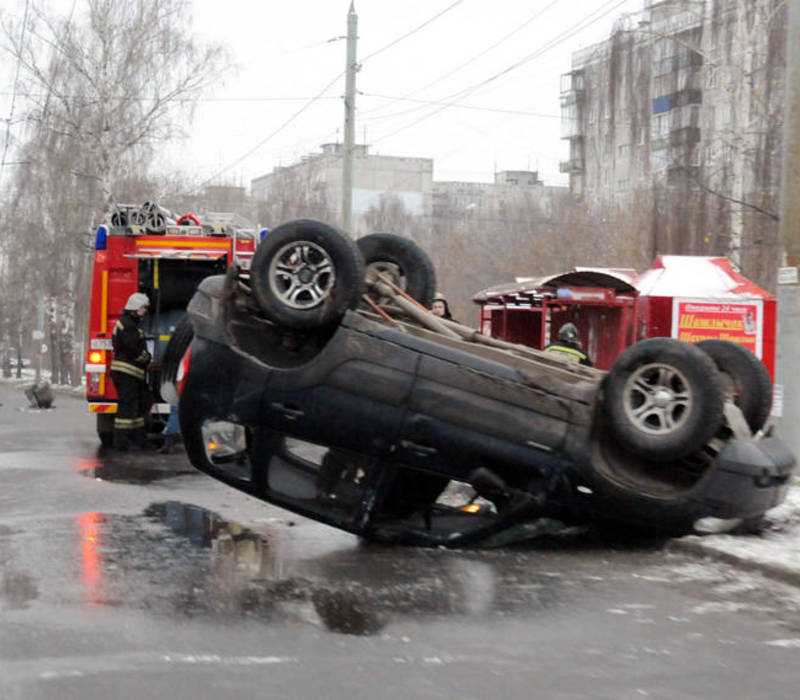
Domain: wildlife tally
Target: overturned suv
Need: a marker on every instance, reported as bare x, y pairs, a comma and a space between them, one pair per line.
319, 384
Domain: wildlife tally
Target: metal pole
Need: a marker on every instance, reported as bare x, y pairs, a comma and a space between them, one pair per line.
787, 379
790, 182
349, 121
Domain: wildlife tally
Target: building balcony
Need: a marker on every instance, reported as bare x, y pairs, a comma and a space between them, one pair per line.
573, 166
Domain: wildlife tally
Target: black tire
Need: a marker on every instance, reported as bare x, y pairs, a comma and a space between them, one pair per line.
663, 399
306, 274
744, 378
105, 429
173, 354
402, 261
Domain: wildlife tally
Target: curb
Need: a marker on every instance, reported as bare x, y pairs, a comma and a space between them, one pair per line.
772, 571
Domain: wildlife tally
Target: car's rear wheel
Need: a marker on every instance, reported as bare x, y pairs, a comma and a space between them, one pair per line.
664, 399
306, 274
401, 261
176, 348
744, 378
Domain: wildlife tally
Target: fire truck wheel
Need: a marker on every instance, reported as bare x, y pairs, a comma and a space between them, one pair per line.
173, 354
306, 274
663, 399
744, 378
105, 428
402, 261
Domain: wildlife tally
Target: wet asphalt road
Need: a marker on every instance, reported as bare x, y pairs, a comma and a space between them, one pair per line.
136, 577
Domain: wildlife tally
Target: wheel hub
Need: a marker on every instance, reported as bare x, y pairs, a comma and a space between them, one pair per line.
663, 398
302, 275
305, 275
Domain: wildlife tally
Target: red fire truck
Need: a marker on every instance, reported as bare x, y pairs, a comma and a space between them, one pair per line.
145, 249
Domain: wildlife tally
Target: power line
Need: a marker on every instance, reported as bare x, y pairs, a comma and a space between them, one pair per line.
559, 39
458, 106
14, 89
143, 98
320, 94
413, 31
479, 55
272, 134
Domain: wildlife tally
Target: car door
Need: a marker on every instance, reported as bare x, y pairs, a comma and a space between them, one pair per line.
353, 395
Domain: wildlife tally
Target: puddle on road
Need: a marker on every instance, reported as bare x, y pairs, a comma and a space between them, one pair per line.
179, 560
352, 590
131, 469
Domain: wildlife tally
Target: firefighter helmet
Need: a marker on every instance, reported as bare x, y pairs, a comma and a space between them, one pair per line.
136, 301
568, 333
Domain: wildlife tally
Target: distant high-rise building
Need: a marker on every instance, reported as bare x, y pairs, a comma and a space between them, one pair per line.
681, 110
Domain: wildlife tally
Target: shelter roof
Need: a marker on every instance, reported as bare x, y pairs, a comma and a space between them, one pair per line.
618, 279
697, 277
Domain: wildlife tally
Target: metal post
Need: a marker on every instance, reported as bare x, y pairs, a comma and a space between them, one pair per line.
349, 121
787, 380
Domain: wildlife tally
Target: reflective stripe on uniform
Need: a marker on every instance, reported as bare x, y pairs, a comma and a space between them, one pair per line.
128, 423
127, 368
571, 353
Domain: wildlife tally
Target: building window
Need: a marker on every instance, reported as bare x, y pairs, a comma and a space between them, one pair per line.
623, 149
727, 153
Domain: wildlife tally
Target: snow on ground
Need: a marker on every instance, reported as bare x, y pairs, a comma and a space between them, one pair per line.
778, 545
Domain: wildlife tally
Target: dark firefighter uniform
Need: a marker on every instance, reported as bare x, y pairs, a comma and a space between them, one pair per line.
131, 359
568, 345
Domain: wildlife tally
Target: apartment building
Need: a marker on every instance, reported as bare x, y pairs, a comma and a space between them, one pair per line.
408, 180
680, 110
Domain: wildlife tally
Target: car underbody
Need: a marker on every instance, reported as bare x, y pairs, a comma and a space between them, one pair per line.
394, 426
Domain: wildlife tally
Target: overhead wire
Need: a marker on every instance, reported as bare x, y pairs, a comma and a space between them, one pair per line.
413, 31
272, 134
14, 89
321, 93
457, 106
452, 99
474, 58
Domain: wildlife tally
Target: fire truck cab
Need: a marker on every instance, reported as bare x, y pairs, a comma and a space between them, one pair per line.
166, 261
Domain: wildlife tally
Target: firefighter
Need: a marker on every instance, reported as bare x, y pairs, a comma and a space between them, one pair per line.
568, 345
440, 307
128, 367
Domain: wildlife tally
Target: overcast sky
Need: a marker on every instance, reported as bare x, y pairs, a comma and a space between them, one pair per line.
496, 62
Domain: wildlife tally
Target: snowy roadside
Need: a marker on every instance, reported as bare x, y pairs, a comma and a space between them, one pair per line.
29, 377
775, 552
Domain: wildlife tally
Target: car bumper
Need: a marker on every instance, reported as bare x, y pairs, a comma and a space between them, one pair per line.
751, 476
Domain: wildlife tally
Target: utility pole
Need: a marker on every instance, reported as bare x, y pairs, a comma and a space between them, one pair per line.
790, 182
787, 380
349, 121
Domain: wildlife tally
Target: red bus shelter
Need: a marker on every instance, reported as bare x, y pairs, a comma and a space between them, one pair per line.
686, 297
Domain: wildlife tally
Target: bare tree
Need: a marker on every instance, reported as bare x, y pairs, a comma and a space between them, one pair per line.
103, 87
114, 80
389, 215
293, 194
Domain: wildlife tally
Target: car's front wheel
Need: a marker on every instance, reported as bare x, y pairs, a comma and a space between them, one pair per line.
306, 274
663, 399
